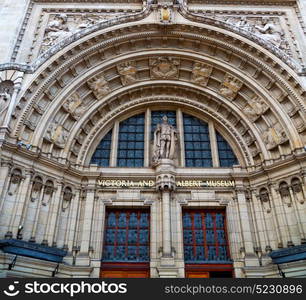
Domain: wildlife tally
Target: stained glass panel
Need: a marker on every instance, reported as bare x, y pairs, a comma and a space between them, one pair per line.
205, 237
131, 142
126, 236
197, 142
102, 154
227, 157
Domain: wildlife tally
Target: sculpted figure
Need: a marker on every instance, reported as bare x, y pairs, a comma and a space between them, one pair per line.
57, 134
74, 106
256, 107
128, 73
99, 86
230, 87
56, 30
165, 137
201, 73
268, 32
243, 24
5, 98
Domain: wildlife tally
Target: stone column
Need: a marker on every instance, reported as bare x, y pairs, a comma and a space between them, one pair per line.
51, 235
165, 184
250, 257
114, 146
147, 138
83, 258
180, 127
5, 169
278, 212
22, 203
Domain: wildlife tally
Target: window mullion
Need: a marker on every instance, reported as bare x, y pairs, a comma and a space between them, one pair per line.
147, 136
180, 127
114, 147
213, 144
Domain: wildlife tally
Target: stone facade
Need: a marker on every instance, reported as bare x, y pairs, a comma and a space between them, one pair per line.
71, 70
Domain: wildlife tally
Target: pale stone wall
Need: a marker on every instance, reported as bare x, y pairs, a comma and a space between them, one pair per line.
93, 71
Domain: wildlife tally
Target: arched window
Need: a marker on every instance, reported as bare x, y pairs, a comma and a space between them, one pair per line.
102, 154
197, 142
131, 142
227, 157
194, 133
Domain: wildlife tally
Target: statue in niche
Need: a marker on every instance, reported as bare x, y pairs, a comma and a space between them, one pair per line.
128, 72
230, 87
99, 86
74, 106
165, 137
255, 107
57, 29
67, 197
14, 182
5, 98
265, 200
201, 73
48, 192
285, 193
57, 134
268, 32
36, 190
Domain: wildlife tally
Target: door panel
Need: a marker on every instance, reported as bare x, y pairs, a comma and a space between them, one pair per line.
192, 274
124, 274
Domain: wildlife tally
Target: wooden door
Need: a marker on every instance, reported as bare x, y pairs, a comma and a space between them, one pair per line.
124, 274
195, 274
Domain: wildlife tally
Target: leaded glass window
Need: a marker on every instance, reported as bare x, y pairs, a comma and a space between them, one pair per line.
227, 157
131, 142
197, 143
127, 235
157, 118
204, 233
102, 154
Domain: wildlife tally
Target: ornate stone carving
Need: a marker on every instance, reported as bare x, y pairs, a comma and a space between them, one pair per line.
201, 73
165, 14
15, 181
5, 98
48, 192
265, 200
165, 137
268, 32
128, 72
74, 106
255, 107
67, 197
99, 86
230, 87
273, 137
164, 67
36, 189
57, 134
56, 30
